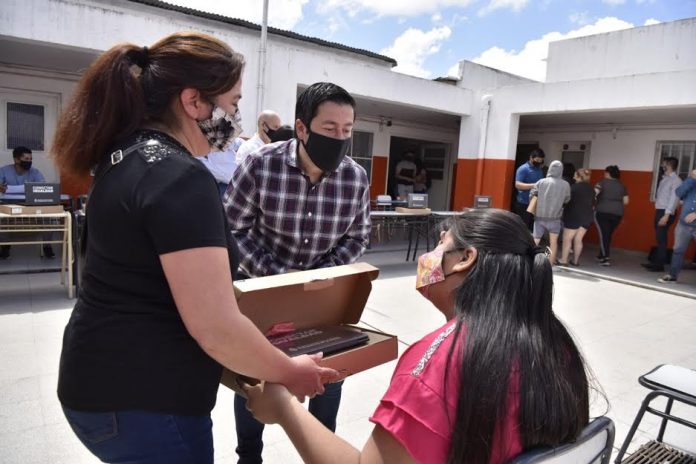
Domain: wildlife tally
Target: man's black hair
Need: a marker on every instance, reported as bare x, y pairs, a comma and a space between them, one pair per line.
672, 161
284, 132
19, 151
537, 153
308, 102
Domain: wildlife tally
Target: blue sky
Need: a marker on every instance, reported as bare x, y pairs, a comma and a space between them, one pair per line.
429, 37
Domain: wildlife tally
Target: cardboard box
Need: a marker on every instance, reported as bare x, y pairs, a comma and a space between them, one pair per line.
400, 209
316, 298
21, 209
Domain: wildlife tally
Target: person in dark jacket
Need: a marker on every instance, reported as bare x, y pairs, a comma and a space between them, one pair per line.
612, 197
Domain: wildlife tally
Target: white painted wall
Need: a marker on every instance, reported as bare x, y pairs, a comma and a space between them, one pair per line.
633, 149
99, 25
664, 47
663, 90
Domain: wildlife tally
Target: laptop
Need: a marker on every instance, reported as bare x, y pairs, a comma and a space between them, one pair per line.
41, 194
417, 200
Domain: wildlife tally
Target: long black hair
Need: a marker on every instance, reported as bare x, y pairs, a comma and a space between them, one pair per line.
503, 308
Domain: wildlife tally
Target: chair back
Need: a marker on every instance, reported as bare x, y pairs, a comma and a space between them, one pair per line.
593, 446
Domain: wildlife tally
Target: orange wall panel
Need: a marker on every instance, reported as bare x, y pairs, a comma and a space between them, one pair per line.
75, 186
378, 185
493, 177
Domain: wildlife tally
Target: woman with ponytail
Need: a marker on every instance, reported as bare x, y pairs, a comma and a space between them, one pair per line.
501, 376
156, 318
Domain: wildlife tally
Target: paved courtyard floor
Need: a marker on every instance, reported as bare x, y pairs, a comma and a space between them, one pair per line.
624, 331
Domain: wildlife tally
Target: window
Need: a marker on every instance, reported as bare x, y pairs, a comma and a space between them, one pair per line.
434, 160
25, 126
362, 150
685, 152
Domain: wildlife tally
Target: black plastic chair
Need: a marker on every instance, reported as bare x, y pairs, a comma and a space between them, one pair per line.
675, 383
593, 446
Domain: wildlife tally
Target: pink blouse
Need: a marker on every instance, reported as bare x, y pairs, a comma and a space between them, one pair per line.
418, 411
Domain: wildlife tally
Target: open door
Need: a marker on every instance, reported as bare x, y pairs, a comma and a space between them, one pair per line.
435, 158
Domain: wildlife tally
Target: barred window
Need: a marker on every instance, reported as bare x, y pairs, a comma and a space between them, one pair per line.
25, 126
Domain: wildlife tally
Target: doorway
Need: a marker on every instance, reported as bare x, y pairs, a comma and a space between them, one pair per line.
521, 157
434, 157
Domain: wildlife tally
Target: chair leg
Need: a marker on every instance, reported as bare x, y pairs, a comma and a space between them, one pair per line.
410, 240
668, 410
632, 431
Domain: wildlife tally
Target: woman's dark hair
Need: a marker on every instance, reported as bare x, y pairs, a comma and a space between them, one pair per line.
613, 171
308, 102
503, 309
129, 85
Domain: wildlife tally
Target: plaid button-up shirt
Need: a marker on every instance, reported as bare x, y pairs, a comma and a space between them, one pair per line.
282, 221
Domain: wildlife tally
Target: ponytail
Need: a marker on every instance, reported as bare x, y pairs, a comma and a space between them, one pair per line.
128, 85
108, 105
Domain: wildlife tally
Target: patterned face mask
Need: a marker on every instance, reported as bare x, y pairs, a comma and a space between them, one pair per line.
430, 270
221, 128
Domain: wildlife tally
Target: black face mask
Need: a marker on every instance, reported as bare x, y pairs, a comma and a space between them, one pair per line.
269, 132
538, 163
26, 165
326, 152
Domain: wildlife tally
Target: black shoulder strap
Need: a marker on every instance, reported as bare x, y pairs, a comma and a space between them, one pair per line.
102, 169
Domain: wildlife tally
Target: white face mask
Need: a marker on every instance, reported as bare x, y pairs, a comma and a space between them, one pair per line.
221, 128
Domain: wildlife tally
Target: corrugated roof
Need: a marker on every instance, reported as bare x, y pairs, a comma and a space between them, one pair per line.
271, 30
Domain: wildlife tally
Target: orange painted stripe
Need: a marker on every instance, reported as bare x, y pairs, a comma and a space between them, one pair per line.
378, 183
75, 186
495, 177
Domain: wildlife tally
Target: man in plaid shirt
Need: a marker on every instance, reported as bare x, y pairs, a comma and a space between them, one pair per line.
297, 205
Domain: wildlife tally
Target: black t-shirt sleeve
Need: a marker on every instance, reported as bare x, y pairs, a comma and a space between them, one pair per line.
181, 208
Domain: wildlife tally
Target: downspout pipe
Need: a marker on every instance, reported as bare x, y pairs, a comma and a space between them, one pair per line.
260, 87
483, 138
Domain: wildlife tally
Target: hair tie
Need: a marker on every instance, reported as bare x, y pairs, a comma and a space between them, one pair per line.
141, 58
533, 251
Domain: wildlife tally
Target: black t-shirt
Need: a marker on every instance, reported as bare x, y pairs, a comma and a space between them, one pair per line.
126, 346
580, 210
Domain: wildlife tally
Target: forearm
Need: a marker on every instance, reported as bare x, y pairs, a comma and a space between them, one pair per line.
201, 285
237, 344
523, 186
314, 442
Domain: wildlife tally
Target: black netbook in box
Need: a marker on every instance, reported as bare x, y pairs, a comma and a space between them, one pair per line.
41, 194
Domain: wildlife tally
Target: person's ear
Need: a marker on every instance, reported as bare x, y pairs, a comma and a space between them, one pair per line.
468, 260
301, 129
193, 104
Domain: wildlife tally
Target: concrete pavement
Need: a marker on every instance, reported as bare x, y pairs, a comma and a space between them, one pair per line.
623, 330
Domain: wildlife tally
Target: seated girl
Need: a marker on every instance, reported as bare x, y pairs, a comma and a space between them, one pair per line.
502, 375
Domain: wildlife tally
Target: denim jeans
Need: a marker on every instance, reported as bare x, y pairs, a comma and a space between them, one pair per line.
661, 237
250, 431
682, 237
137, 437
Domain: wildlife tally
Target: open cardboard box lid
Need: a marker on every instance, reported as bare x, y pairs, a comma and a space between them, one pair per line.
316, 298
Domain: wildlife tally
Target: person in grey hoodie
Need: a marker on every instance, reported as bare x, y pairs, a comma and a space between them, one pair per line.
552, 193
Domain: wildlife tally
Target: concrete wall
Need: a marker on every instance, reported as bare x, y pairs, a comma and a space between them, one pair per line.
658, 48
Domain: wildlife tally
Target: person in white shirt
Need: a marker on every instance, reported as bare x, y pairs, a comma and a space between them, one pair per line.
666, 204
405, 174
222, 164
267, 123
